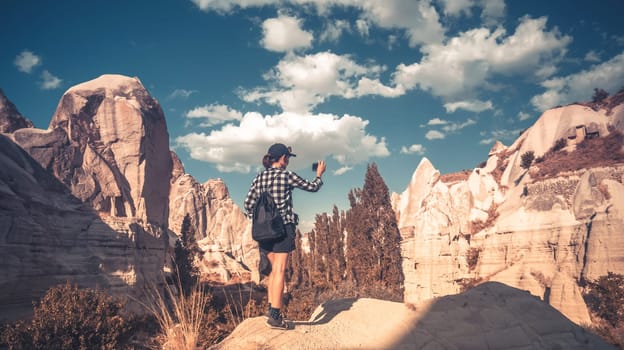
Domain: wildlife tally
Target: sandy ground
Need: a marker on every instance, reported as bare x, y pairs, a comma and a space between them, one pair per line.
490, 316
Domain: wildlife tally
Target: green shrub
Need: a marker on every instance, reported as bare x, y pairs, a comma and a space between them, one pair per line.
599, 95
559, 145
71, 318
605, 297
527, 159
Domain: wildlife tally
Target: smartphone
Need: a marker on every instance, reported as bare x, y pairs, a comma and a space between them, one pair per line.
314, 166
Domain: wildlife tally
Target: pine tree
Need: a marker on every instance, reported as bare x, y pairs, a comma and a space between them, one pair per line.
185, 252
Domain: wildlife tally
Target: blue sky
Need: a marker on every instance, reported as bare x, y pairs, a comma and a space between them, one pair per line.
348, 81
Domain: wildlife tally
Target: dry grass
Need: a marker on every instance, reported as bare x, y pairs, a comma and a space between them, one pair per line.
598, 152
180, 317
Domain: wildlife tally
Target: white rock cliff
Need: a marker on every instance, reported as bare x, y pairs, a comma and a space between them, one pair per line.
544, 236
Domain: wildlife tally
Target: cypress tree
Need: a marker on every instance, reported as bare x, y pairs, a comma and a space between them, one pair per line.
373, 242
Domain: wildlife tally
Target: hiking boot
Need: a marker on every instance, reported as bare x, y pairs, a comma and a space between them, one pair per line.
279, 323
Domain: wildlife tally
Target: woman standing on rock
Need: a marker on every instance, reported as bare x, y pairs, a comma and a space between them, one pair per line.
279, 182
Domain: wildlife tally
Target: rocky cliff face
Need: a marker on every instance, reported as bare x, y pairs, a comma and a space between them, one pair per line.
88, 200
48, 236
544, 235
97, 197
221, 229
10, 118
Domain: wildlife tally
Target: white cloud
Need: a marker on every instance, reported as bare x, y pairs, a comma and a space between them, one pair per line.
299, 83
181, 93
472, 106
363, 27
413, 149
333, 30
418, 19
284, 34
454, 127
342, 170
458, 67
26, 61
492, 10
592, 56
434, 135
49, 81
214, 114
241, 147
579, 87
437, 121
524, 116
501, 135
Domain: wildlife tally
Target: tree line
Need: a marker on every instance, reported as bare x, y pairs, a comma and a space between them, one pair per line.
354, 253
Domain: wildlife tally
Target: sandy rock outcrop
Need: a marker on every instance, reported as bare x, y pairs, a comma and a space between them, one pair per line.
48, 237
108, 142
87, 201
10, 117
490, 316
221, 229
544, 236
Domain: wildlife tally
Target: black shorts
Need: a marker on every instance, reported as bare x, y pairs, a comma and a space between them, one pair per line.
284, 245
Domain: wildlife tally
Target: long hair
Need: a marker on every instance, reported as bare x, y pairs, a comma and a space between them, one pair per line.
268, 160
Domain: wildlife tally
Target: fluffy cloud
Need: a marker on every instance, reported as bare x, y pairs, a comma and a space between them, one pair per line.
241, 147
472, 106
579, 87
524, 116
434, 135
418, 19
492, 10
458, 67
284, 34
413, 149
26, 61
299, 83
49, 81
214, 114
334, 30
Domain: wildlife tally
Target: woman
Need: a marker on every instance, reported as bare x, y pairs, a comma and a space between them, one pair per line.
279, 182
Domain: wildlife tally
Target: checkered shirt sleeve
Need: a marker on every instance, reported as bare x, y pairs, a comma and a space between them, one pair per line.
280, 184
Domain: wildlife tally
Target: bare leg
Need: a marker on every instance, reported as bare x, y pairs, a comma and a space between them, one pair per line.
276, 278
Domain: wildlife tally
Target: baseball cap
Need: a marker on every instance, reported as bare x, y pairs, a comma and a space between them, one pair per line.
279, 149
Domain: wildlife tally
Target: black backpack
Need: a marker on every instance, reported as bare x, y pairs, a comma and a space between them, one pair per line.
267, 224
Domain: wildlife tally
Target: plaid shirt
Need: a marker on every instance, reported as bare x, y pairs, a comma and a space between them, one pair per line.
281, 183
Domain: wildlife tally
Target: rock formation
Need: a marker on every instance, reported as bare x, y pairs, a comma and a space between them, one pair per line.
490, 316
10, 118
91, 199
91, 205
221, 229
48, 237
544, 235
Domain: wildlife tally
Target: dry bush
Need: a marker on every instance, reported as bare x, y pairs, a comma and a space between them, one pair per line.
468, 283
605, 299
604, 190
68, 317
598, 152
455, 177
541, 279
230, 305
478, 225
472, 257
